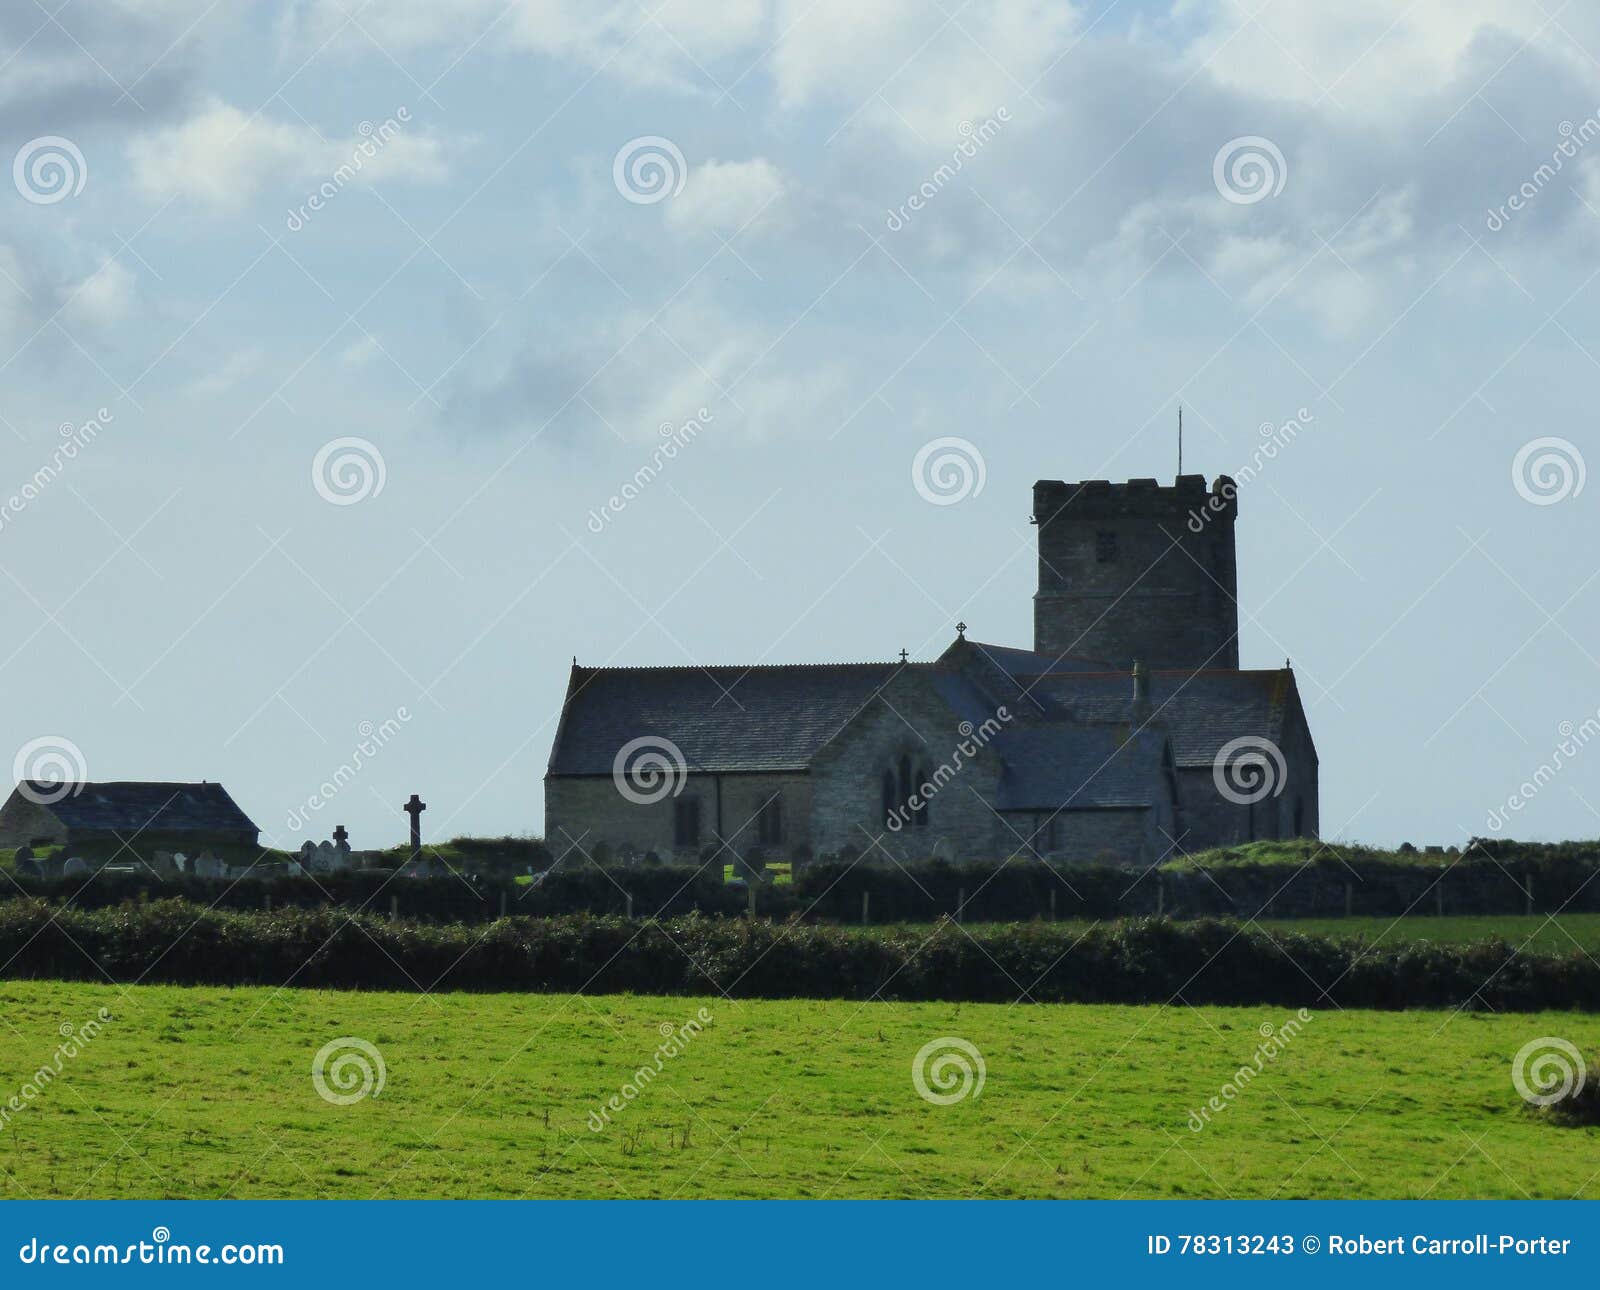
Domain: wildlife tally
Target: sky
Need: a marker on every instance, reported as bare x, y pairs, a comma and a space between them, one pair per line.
328, 330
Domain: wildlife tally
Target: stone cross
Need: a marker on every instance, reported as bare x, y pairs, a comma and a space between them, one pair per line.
961, 630
414, 808
341, 835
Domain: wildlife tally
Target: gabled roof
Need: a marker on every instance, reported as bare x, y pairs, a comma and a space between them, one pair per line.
1201, 711
720, 718
1072, 767
133, 806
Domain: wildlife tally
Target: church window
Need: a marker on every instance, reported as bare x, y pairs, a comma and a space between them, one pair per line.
905, 780
1105, 547
919, 815
890, 798
769, 821
686, 822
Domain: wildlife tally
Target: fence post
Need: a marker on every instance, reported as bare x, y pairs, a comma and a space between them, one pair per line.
394, 908
1349, 897
866, 899
629, 896
1161, 895
1530, 892
961, 903
266, 902
750, 909
1052, 904
502, 902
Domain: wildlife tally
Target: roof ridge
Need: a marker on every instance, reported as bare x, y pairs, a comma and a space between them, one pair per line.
750, 667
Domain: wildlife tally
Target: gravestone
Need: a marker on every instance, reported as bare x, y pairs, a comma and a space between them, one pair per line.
75, 867
207, 865
23, 853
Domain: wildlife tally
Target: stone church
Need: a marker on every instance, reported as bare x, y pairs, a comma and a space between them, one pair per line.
1127, 734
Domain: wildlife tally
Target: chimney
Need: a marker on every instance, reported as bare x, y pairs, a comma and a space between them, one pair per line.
1140, 715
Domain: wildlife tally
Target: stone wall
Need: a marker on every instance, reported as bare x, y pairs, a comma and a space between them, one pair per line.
1123, 574
908, 720
1210, 820
23, 821
582, 812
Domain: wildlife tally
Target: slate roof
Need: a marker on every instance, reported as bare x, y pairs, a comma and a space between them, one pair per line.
1079, 767
1201, 711
721, 718
130, 806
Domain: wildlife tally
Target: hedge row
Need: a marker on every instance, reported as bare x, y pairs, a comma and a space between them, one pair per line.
831, 891
1141, 961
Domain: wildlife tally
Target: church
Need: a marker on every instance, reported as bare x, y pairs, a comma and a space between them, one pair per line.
1127, 734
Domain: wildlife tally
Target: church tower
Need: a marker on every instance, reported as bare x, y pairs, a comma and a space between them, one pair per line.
1138, 571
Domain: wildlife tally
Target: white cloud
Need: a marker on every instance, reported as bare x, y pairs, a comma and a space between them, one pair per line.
221, 158
726, 195
103, 297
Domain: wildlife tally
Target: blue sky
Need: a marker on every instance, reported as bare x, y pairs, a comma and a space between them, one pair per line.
481, 303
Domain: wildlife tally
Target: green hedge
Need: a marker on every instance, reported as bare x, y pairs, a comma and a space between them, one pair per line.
1496, 878
1143, 961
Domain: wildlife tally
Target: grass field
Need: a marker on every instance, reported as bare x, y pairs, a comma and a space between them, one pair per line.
208, 1093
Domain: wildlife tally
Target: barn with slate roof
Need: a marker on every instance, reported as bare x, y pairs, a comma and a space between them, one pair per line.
1157, 744
47, 813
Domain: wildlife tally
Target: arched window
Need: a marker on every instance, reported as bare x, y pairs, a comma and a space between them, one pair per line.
890, 800
905, 779
920, 815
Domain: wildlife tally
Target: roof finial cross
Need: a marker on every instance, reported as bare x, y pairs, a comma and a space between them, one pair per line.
961, 630
903, 656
